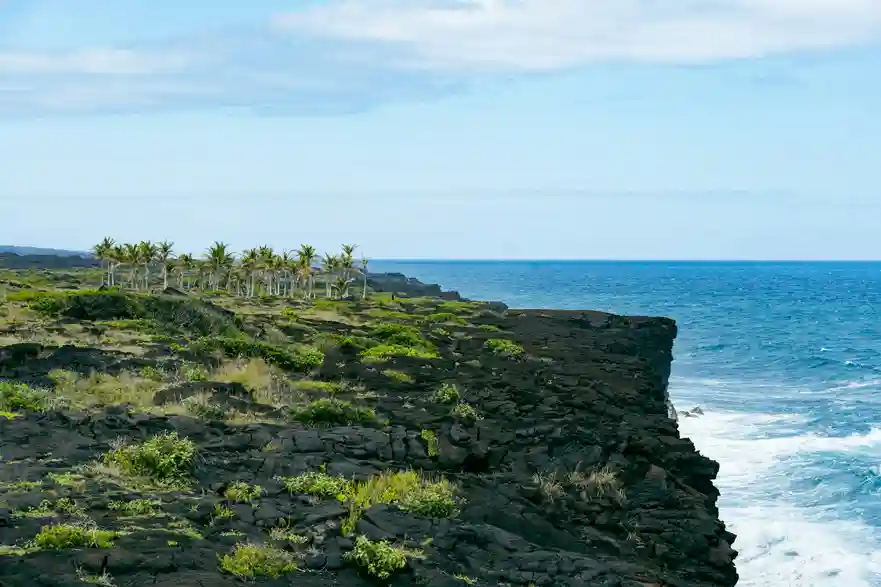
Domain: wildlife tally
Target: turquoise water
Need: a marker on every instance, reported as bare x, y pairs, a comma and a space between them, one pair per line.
785, 358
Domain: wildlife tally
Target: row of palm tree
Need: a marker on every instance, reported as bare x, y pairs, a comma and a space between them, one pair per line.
256, 272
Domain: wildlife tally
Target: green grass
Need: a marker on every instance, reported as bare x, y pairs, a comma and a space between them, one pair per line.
384, 352
332, 412
447, 393
380, 559
299, 360
466, 413
328, 387
503, 347
65, 536
445, 317
401, 334
241, 492
249, 561
164, 458
136, 507
408, 490
319, 484
18, 396
399, 376
430, 439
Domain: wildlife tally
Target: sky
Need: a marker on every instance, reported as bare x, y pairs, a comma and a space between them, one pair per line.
634, 129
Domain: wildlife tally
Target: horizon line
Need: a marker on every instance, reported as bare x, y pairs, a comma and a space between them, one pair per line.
606, 260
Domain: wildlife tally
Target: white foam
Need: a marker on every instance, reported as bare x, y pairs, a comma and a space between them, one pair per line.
779, 543
779, 547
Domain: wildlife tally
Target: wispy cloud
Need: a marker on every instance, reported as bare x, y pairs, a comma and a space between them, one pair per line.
343, 56
94, 62
553, 34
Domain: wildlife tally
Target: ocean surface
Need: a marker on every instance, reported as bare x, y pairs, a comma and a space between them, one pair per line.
785, 359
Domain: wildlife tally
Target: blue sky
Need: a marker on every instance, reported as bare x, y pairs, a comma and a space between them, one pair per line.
745, 129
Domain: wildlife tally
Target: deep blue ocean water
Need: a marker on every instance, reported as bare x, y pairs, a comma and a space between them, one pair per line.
785, 358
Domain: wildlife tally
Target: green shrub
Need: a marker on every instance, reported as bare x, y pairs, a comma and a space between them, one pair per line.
135, 507
319, 484
331, 411
152, 373
379, 559
466, 413
328, 387
241, 492
18, 396
301, 360
407, 489
503, 347
430, 500
431, 439
401, 334
249, 561
440, 317
448, 393
384, 352
62, 536
202, 407
289, 313
195, 373
399, 376
164, 458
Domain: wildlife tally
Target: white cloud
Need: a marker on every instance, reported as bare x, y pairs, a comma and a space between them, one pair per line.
96, 62
552, 34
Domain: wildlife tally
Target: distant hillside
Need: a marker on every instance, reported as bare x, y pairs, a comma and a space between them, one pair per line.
40, 251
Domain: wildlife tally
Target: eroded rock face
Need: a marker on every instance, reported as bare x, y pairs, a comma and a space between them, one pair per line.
588, 395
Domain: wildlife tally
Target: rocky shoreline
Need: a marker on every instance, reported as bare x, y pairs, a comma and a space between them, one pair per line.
570, 471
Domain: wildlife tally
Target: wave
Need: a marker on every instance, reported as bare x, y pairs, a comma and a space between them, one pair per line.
773, 481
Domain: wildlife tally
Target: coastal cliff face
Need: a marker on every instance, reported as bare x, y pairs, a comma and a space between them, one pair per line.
569, 472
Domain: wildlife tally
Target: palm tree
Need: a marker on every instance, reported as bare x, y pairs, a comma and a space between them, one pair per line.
131, 256
117, 254
250, 262
163, 254
147, 252
103, 252
347, 259
364, 275
218, 259
307, 256
329, 266
185, 263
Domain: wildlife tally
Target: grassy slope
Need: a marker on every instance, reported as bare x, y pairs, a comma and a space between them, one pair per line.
274, 361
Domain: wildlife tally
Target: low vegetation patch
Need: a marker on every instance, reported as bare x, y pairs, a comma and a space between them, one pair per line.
319, 484
249, 561
332, 412
103, 389
164, 459
445, 317
18, 396
601, 483
241, 492
136, 507
64, 536
380, 559
430, 439
408, 490
503, 347
299, 360
465, 412
447, 393
384, 352
399, 376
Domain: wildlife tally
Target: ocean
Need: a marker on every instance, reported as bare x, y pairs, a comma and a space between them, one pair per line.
785, 360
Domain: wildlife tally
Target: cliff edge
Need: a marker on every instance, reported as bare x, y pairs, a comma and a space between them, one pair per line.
545, 452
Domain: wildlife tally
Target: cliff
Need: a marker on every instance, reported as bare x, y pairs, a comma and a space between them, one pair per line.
564, 467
